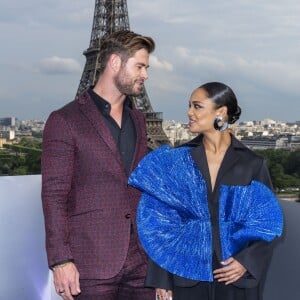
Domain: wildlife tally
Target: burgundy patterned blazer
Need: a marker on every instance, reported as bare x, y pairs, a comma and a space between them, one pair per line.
88, 205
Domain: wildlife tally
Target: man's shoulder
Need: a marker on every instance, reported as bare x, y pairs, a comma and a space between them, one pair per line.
68, 113
72, 106
68, 106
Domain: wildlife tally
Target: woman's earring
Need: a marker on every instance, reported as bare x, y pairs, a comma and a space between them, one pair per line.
219, 124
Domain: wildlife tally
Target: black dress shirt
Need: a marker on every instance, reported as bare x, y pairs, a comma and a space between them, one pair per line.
124, 136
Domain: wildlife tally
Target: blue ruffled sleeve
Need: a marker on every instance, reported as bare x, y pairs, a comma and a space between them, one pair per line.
248, 213
173, 218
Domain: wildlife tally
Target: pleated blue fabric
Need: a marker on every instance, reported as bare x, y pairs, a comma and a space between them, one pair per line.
173, 217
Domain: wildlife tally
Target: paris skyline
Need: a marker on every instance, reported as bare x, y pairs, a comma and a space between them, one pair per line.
249, 45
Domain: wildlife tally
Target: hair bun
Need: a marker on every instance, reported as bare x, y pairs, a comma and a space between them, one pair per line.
235, 116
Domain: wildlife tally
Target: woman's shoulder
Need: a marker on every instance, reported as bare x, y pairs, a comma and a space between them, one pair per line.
244, 151
169, 150
166, 158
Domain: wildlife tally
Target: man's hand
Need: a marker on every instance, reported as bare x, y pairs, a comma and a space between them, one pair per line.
66, 280
162, 294
231, 272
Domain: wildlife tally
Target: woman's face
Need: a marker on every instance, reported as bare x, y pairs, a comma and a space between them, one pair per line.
201, 113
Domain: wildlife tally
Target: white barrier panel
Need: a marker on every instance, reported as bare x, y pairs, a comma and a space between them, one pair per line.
24, 272
23, 264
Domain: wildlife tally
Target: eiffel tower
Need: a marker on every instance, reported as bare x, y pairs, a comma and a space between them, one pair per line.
110, 16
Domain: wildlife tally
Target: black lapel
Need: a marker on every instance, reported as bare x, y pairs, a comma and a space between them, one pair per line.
199, 157
89, 109
231, 157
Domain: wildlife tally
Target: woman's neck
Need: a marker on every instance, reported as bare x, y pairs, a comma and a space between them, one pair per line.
217, 142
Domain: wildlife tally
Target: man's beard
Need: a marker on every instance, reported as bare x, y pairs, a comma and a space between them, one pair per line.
124, 86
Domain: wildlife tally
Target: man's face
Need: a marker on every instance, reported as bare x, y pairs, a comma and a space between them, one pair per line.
131, 76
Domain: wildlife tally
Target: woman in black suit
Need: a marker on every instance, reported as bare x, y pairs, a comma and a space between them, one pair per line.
218, 194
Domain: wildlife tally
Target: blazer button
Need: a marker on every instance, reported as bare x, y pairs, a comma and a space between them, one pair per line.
128, 216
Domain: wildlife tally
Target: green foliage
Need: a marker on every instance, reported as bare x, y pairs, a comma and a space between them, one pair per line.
21, 159
292, 165
22, 170
284, 167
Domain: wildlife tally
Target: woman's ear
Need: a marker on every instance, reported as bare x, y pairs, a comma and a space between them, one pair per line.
222, 112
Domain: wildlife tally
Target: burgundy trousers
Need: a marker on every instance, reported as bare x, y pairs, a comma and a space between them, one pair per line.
127, 285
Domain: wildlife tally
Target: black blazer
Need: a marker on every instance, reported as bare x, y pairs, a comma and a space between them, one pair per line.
239, 167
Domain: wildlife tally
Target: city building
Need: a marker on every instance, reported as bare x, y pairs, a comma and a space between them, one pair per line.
265, 134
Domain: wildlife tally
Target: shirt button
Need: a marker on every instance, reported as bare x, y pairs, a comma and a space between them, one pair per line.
128, 216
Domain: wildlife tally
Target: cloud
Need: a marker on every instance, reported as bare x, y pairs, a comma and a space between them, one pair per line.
198, 58
251, 45
271, 72
275, 74
82, 15
160, 64
58, 65
163, 11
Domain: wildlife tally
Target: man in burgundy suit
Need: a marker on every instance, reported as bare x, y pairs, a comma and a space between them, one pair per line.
90, 146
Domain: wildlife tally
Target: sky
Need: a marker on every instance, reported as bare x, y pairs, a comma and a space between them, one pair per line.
251, 45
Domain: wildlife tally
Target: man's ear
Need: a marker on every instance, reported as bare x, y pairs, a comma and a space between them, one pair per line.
115, 62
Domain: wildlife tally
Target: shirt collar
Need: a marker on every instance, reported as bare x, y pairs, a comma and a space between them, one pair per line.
103, 105
198, 140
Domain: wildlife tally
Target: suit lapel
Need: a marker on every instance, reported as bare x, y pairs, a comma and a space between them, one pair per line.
138, 128
231, 158
89, 109
199, 157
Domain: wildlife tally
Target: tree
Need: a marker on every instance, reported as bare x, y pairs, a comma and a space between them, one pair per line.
292, 165
23, 158
284, 167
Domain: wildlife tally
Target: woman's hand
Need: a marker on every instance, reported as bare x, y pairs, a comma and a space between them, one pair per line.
231, 272
162, 294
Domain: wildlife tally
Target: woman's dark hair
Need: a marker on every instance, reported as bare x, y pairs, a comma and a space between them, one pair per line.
223, 95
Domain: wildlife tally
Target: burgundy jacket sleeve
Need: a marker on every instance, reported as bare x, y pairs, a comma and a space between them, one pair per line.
57, 169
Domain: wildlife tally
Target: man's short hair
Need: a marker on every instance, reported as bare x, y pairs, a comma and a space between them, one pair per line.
124, 43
